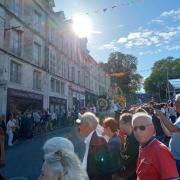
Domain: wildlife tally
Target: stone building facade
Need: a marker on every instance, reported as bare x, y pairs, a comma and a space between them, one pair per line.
43, 64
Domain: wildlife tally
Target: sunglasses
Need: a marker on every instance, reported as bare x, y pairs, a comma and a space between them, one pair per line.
141, 128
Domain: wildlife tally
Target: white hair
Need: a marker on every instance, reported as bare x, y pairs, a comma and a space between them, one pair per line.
177, 97
66, 164
146, 117
89, 118
57, 143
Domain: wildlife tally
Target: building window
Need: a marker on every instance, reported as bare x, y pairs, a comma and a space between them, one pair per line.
57, 86
15, 72
62, 88
51, 34
37, 80
37, 21
17, 7
16, 42
37, 54
73, 74
52, 59
53, 85
1, 30
79, 77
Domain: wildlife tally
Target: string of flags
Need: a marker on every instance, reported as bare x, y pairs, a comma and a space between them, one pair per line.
104, 10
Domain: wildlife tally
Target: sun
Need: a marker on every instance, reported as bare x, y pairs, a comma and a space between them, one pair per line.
82, 25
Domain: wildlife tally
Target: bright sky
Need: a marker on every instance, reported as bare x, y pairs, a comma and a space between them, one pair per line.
148, 29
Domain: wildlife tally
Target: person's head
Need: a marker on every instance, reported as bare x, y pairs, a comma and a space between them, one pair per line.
125, 122
57, 143
10, 117
110, 126
60, 161
177, 103
140, 109
142, 127
3, 117
87, 123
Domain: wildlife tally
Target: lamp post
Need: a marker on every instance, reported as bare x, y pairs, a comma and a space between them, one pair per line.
168, 90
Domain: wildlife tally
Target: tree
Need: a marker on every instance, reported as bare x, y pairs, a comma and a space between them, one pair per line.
122, 69
164, 69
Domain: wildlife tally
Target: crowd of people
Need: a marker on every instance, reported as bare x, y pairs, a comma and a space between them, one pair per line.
19, 126
141, 143
128, 147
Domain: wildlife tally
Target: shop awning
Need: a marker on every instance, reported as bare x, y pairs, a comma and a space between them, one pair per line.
175, 83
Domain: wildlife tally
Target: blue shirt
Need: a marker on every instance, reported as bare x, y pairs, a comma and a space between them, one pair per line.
174, 143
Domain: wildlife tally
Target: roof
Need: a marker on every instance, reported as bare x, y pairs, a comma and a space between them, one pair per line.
175, 83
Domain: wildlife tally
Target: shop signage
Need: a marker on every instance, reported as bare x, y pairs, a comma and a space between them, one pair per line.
57, 100
24, 94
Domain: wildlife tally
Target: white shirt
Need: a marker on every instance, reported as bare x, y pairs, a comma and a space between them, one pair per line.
87, 142
10, 125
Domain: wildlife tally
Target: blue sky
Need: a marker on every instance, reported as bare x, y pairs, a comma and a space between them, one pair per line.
147, 29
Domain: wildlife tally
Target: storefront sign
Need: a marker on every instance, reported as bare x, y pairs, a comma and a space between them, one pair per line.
57, 100
24, 94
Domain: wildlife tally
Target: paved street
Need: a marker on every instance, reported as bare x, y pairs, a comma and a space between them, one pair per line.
25, 158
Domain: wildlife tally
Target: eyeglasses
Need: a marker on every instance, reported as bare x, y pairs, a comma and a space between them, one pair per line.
141, 128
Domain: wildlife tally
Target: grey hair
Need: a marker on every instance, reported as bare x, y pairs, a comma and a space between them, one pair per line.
66, 164
90, 118
146, 116
177, 97
57, 143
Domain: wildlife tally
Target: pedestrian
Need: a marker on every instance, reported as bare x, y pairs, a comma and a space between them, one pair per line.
10, 128
172, 130
129, 150
60, 161
155, 161
111, 131
96, 149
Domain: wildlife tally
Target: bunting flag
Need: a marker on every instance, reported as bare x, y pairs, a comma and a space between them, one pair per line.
104, 10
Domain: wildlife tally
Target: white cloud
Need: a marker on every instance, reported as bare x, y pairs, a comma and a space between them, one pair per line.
154, 40
150, 52
158, 21
175, 14
120, 26
171, 48
96, 32
132, 36
122, 40
145, 38
168, 35
110, 46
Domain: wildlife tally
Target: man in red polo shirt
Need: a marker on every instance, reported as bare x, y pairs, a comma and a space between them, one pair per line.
155, 161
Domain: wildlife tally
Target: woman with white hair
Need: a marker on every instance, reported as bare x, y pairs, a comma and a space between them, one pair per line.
60, 161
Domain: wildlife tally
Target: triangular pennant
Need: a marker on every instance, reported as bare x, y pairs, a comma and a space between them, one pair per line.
114, 7
104, 10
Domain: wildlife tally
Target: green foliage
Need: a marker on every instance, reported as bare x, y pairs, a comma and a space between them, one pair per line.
156, 83
126, 64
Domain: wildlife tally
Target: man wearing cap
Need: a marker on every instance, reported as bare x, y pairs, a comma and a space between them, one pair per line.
96, 149
155, 161
172, 130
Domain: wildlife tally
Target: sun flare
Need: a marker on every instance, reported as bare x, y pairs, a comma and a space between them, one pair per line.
82, 26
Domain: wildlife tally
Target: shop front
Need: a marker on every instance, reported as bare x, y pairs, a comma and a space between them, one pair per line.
91, 99
57, 105
23, 101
